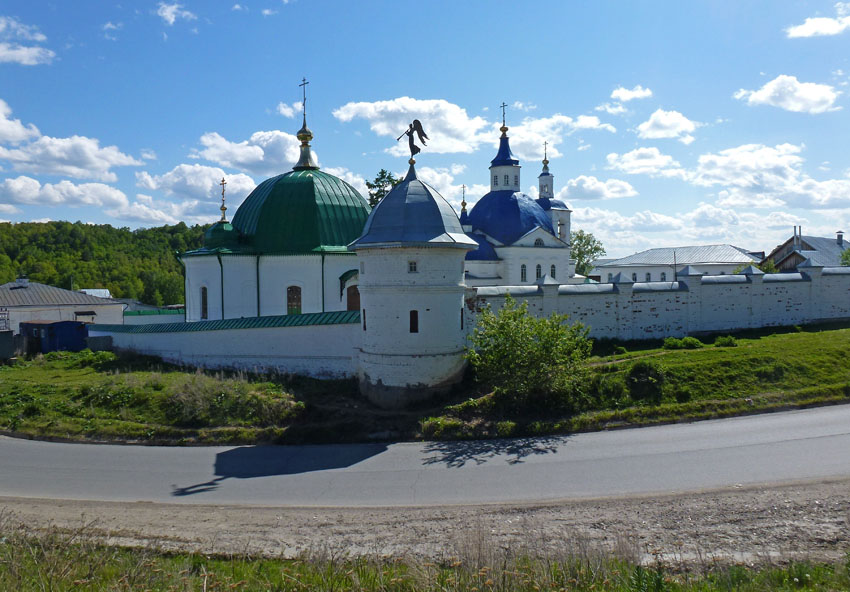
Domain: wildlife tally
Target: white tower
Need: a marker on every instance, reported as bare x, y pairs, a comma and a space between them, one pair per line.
411, 257
504, 169
545, 180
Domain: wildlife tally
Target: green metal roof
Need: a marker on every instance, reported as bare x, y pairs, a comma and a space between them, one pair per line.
343, 317
302, 211
154, 312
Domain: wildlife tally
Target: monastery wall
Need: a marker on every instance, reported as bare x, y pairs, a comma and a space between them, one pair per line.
695, 304
321, 351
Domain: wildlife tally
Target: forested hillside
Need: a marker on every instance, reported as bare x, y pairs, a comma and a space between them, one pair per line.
139, 264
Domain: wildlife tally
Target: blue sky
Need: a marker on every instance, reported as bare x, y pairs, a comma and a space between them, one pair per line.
668, 123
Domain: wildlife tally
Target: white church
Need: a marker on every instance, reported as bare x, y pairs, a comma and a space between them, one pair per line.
306, 279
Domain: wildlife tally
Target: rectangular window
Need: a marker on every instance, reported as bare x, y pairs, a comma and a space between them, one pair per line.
204, 309
364, 319
414, 321
516, 179
507, 181
461, 318
411, 267
610, 277
362, 268
495, 180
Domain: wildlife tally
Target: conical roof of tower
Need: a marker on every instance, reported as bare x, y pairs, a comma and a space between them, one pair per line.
504, 157
413, 214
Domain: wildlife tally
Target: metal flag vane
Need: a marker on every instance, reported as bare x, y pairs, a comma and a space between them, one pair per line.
303, 86
415, 127
223, 207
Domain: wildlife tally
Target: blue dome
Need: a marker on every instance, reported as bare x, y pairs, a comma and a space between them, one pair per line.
547, 204
484, 252
507, 216
413, 213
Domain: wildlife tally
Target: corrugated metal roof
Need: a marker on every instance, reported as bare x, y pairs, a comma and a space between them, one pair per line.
35, 294
342, 317
684, 256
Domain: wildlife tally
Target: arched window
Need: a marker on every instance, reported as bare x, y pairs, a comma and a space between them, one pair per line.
293, 300
663, 276
648, 276
552, 272
538, 242
522, 274
507, 179
610, 277
204, 304
634, 277
538, 272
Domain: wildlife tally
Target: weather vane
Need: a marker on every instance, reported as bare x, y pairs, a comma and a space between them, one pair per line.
223, 207
416, 127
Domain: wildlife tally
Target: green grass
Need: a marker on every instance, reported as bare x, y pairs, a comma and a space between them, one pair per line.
107, 397
66, 561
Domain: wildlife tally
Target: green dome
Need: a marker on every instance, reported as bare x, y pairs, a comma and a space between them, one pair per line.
302, 211
221, 234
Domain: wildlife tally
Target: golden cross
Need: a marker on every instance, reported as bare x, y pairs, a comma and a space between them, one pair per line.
303, 86
545, 144
503, 105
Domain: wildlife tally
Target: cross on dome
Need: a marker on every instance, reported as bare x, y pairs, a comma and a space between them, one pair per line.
223, 207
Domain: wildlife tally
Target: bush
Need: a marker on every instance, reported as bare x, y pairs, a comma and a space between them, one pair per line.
645, 381
672, 343
725, 341
620, 350
539, 362
691, 343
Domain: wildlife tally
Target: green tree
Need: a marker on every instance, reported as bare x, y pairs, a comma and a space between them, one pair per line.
532, 363
585, 248
382, 185
767, 266
845, 257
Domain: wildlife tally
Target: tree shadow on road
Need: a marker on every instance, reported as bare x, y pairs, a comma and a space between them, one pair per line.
515, 450
248, 462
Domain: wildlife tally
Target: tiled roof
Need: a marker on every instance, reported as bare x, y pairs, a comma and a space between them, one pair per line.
342, 317
684, 256
35, 294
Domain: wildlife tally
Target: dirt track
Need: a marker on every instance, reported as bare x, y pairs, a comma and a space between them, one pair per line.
746, 524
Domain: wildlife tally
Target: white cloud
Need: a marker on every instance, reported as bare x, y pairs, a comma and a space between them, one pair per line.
147, 210
520, 106
268, 12
786, 92
823, 26
170, 13
668, 124
289, 110
239, 7
611, 108
148, 154
8, 209
26, 190
527, 138
108, 27
15, 43
77, 156
646, 161
12, 130
450, 128
264, 153
583, 147
588, 187
624, 94
195, 181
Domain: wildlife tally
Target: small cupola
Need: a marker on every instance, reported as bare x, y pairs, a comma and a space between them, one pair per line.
504, 168
545, 179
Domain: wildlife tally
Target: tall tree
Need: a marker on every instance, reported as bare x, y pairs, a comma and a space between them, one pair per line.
845, 257
382, 185
585, 249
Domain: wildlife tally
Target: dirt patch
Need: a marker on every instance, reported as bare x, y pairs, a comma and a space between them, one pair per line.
753, 524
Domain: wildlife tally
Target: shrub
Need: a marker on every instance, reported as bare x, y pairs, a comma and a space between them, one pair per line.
725, 341
620, 350
672, 343
691, 343
645, 381
530, 361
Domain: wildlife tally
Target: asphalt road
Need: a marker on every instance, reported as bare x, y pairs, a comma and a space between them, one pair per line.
772, 448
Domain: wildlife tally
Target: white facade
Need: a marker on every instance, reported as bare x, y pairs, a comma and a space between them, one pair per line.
316, 278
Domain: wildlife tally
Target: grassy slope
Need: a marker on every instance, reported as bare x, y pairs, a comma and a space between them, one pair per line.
100, 396
69, 561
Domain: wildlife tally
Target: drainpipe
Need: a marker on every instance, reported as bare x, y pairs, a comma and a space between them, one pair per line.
323, 281
221, 283
258, 284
